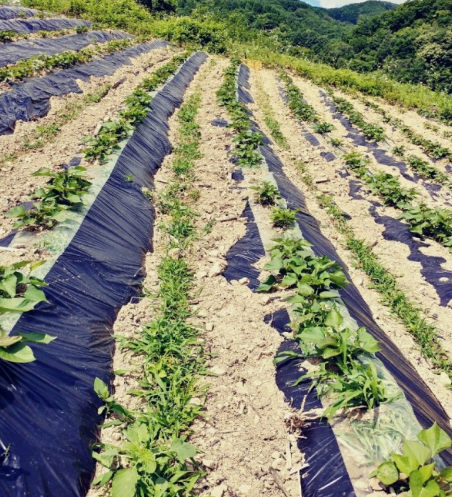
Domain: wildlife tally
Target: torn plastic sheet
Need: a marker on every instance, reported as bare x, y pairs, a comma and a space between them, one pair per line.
11, 12
425, 406
10, 53
49, 408
27, 26
31, 99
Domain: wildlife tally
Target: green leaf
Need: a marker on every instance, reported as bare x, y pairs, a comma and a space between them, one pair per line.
16, 305
417, 487
102, 480
125, 482
427, 471
18, 211
289, 280
101, 388
387, 473
18, 352
9, 285
37, 337
304, 290
446, 474
334, 318
330, 294
35, 295
183, 450
274, 265
417, 451
405, 464
435, 438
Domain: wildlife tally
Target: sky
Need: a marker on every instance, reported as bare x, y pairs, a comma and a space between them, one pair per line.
339, 3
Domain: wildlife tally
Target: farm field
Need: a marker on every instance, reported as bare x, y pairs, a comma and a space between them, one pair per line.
218, 276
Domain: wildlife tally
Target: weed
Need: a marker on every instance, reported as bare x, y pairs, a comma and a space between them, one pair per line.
399, 151
336, 142
323, 128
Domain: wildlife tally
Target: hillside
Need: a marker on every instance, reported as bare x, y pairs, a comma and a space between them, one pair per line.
351, 13
412, 43
225, 268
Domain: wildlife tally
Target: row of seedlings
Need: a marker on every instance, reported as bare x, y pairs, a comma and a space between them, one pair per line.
65, 189
421, 167
154, 457
9, 36
427, 222
348, 376
301, 109
39, 64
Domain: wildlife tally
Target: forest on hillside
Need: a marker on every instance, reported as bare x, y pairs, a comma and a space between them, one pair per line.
412, 43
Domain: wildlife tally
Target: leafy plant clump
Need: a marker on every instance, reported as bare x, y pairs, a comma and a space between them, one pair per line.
414, 472
323, 127
283, 218
266, 193
342, 376
64, 191
300, 109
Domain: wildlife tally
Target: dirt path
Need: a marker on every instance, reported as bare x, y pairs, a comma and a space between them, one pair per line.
17, 181
394, 255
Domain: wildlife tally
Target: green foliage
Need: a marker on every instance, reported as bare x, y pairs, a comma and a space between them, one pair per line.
323, 128
358, 11
266, 193
300, 109
389, 188
414, 471
136, 109
425, 334
316, 281
20, 292
246, 141
399, 151
64, 191
283, 218
432, 223
427, 171
293, 265
154, 457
